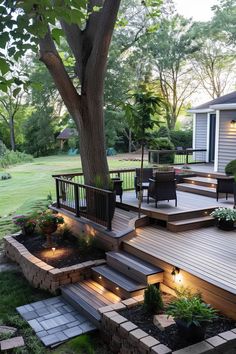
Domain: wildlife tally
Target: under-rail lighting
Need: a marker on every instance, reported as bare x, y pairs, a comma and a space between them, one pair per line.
100, 277
233, 123
117, 288
176, 275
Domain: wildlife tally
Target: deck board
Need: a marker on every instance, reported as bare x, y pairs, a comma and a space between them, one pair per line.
209, 254
186, 202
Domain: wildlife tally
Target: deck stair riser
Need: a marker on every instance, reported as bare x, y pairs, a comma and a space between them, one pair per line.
134, 268
117, 282
195, 189
201, 181
190, 214
190, 224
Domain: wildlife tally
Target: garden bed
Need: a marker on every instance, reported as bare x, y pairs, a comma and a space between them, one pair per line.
170, 336
69, 250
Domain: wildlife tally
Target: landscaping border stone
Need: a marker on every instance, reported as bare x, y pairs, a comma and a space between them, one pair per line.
40, 274
124, 337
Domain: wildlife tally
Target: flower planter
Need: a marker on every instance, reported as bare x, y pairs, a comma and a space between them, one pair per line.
48, 230
192, 333
225, 225
28, 230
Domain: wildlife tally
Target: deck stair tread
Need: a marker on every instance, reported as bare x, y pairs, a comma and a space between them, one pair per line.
193, 220
118, 278
135, 262
195, 186
89, 296
211, 182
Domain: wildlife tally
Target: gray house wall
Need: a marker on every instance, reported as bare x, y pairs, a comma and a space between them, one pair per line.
227, 139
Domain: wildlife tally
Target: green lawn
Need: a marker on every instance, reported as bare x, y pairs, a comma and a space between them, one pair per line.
32, 181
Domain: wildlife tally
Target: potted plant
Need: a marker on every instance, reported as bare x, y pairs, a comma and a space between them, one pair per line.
27, 223
48, 223
192, 316
225, 217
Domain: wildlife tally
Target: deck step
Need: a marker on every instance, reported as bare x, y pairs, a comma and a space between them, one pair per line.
118, 283
134, 267
88, 296
201, 190
190, 224
201, 181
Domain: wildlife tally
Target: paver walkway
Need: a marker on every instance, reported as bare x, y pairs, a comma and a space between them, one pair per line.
55, 321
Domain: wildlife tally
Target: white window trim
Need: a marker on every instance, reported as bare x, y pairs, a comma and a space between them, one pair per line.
194, 131
217, 136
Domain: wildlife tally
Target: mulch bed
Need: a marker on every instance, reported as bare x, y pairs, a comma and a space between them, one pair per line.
69, 250
170, 336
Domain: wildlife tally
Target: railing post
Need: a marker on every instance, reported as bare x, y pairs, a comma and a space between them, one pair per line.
108, 210
58, 193
76, 193
186, 157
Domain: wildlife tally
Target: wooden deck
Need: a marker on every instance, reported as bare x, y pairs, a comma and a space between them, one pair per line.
206, 257
187, 202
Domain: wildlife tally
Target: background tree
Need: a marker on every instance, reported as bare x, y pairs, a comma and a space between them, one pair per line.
170, 48
87, 27
142, 114
10, 104
214, 62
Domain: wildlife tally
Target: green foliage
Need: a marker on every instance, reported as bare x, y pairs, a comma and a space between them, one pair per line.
163, 132
3, 149
143, 113
191, 310
161, 144
230, 168
181, 138
40, 132
152, 299
226, 214
13, 158
47, 218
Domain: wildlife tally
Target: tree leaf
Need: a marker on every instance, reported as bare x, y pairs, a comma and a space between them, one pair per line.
4, 38
56, 34
4, 66
16, 91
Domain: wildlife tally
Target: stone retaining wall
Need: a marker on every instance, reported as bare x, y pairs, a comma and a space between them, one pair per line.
124, 337
40, 274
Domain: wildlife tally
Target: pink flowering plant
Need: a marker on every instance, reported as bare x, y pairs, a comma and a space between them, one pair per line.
24, 221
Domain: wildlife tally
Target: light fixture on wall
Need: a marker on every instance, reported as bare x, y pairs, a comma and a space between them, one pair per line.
233, 123
176, 275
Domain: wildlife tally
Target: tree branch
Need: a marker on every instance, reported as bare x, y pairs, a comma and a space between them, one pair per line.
50, 57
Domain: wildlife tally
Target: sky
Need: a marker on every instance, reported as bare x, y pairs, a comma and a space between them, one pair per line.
199, 10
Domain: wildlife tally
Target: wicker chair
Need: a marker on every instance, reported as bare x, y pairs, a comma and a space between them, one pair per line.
147, 174
163, 187
225, 185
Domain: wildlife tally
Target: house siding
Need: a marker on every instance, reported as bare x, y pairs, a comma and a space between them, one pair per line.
227, 139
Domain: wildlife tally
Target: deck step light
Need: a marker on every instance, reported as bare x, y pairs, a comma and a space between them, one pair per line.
100, 277
233, 123
176, 275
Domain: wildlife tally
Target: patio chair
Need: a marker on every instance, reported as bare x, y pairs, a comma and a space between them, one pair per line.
225, 185
147, 174
163, 187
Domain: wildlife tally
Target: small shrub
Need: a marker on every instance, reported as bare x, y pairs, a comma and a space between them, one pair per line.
5, 176
230, 168
14, 157
182, 138
152, 299
161, 144
163, 132
3, 149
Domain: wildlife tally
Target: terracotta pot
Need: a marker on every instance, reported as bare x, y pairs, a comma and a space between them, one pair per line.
191, 333
48, 229
225, 225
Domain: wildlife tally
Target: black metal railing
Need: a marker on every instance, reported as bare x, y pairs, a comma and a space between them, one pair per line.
177, 157
93, 203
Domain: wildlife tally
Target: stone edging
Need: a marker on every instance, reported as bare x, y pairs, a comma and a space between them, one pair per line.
42, 275
124, 337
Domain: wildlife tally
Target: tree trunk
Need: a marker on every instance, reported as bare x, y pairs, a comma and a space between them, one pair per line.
12, 133
92, 142
130, 140
140, 198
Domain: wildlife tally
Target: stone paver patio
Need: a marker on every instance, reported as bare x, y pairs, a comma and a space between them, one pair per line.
55, 321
